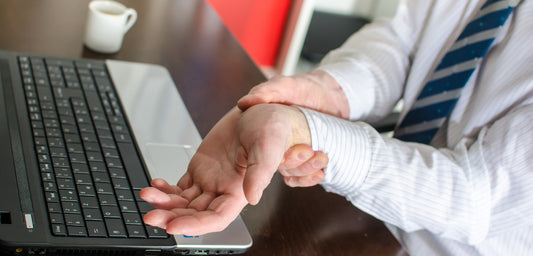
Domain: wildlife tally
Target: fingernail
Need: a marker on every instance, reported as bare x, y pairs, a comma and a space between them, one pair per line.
316, 178
304, 156
317, 164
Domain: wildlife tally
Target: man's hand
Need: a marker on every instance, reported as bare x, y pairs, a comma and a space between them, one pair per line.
231, 168
303, 167
316, 90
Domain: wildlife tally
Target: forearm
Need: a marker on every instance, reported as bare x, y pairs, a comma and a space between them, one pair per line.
457, 193
371, 66
332, 91
371, 74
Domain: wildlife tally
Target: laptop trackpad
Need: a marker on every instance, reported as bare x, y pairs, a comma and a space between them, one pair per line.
168, 161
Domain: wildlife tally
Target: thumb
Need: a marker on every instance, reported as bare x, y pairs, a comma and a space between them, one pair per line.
250, 100
262, 164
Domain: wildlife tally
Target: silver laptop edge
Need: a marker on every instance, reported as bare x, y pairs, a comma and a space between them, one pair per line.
167, 137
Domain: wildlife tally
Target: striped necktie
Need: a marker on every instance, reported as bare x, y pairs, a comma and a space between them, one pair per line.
439, 95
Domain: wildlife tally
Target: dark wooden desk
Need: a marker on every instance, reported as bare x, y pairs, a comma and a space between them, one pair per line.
211, 71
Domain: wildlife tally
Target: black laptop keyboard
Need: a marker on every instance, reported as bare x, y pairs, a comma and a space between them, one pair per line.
90, 169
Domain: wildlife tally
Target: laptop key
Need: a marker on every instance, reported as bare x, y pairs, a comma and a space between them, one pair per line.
92, 215
71, 207
63, 173
117, 172
91, 146
127, 206
60, 162
113, 163
111, 212
144, 207
133, 165
101, 177
97, 167
89, 202
96, 229
77, 157
124, 195
49, 186
132, 218
75, 148
155, 232
54, 208
120, 183
137, 192
86, 190
74, 220
47, 176
65, 183
107, 199
58, 152
115, 228
86, 154
68, 195
80, 168
93, 101
56, 218
52, 197
59, 230
82, 178
104, 188
45, 167
76, 231
136, 231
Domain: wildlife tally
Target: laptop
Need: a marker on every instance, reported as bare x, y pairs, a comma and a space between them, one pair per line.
79, 138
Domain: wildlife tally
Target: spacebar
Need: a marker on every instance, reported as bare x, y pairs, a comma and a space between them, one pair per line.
133, 165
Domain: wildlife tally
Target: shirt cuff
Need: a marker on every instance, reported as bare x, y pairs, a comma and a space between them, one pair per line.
347, 146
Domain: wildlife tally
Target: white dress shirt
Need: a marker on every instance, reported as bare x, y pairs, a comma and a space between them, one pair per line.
471, 191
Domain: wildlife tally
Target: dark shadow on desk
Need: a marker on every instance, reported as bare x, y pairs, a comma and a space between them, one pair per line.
330, 224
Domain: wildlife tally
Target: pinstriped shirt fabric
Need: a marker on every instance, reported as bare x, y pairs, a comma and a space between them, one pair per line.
438, 97
469, 192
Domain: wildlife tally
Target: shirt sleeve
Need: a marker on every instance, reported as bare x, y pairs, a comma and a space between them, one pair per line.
480, 188
372, 75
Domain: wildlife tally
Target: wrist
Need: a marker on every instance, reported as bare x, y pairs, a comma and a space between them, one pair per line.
300, 133
333, 91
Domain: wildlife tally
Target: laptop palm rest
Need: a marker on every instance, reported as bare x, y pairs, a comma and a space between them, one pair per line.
170, 161
167, 138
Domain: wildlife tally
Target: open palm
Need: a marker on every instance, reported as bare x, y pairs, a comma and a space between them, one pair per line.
231, 168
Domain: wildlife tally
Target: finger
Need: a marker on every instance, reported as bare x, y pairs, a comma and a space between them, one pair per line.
301, 160
294, 158
194, 225
201, 202
304, 181
296, 155
265, 92
162, 200
185, 181
153, 195
191, 193
316, 163
252, 99
163, 185
220, 213
162, 218
159, 218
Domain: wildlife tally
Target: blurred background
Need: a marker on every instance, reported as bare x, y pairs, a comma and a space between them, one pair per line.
291, 36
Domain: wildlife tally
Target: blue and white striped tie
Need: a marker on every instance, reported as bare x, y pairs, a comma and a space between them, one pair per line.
439, 95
